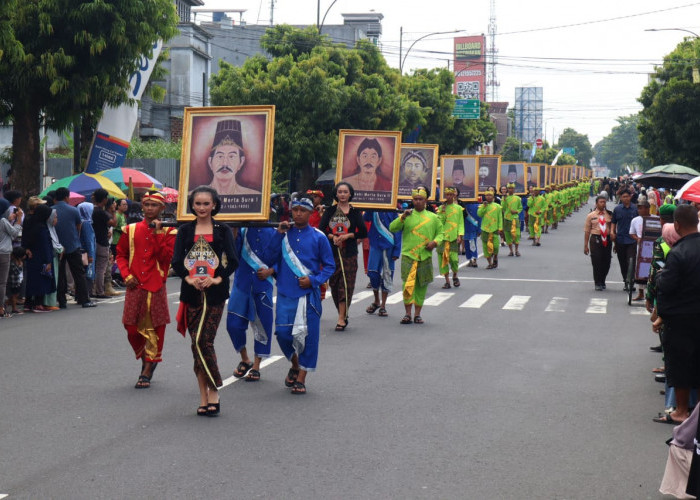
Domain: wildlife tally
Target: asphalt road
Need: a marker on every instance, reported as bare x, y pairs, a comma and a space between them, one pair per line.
535, 391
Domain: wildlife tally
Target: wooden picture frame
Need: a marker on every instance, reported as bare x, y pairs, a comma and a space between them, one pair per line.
228, 148
381, 168
514, 172
489, 172
467, 182
417, 166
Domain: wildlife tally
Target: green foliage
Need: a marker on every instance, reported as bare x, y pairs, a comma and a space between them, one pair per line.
569, 138
670, 119
154, 149
621, 147
283, 40
511, 149
76, 56
432, 90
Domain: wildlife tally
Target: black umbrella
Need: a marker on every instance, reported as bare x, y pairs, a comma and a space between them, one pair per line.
669, 181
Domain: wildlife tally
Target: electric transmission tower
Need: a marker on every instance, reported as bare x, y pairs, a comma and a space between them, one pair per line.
492, 83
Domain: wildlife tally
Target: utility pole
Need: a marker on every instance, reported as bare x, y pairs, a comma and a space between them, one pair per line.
272, 12
400, 48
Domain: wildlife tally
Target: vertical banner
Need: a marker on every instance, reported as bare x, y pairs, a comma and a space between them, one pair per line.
470, 67
113, 135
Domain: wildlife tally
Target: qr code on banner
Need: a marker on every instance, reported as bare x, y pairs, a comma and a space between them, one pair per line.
468, 90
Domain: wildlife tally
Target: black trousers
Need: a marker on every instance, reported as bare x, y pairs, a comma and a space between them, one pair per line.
625, 252
75, 262
601, 256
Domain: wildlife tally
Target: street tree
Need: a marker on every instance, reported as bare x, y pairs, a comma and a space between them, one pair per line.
569, 138
670, 118
621, 147
432, 90
75, 57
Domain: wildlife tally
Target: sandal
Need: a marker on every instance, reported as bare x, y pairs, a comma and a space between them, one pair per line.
446, 286
490, 266
382, 312
418, 320
455, 282
517, 254
372, 308
406, 320
242, 369
253, 375
202, 411
144, 382
213, 409
292, 375
298, 388
340, 328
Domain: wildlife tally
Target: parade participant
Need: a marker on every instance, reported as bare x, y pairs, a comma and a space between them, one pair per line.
678, 292
68, 231
343, 225
451, 217
537, 209
316, 196
251, 300
421, 233
8, 232
512, 206
472, 229
143, 257
625, 246
549, 209
597, 241
303, 258
636, 232
491, 227
384, 249
204, 257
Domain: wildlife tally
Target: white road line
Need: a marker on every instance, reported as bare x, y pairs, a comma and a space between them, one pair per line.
477, 300
438, 298
597, 306
557, 304
530, 280
516, 303
361, 296
395, 298
265, 362
639, 311
2, 495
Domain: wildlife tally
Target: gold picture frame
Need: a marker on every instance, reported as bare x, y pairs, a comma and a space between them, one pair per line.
468, 189
489, 172
231, 147
417, 166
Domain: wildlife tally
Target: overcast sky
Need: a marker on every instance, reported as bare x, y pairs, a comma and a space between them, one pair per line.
592, 71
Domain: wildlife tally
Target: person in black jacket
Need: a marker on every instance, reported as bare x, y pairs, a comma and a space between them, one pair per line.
204, 258
678, 296
344, 226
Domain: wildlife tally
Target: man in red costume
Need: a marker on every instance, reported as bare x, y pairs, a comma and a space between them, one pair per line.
144, 252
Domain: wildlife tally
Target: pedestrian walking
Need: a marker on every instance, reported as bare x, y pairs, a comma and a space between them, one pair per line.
625, 246
597, 241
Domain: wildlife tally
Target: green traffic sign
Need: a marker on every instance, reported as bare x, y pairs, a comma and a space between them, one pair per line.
467, 109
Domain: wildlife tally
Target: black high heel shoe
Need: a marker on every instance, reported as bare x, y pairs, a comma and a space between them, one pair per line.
215, 412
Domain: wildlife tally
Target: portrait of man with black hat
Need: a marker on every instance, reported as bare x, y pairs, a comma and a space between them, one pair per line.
227, 158
512, 176
457, 180
531, 182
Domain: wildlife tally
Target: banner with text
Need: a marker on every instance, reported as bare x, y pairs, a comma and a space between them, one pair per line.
470, 67
116, 127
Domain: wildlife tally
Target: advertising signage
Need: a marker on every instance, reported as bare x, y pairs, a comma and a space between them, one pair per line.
470, 67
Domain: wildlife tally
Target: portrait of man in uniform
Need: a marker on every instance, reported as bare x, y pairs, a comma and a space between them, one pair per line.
488, 172
459, 172
514, 173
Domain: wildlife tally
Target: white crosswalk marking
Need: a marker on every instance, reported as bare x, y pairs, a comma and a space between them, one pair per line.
477, 300
395, 298
361, 296
597, 306
638, 311
438, 298
557, 304
516, 303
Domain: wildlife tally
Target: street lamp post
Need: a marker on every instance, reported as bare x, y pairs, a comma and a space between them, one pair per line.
319, 25
674, 29
402, 57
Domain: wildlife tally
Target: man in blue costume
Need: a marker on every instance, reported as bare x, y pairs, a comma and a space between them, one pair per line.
303, 258
472, 229
251, 300
384, 249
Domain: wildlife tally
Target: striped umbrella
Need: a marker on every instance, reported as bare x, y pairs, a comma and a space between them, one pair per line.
85, 184
140, 180
691, 191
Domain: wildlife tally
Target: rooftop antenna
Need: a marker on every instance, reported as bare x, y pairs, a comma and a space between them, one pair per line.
492, 82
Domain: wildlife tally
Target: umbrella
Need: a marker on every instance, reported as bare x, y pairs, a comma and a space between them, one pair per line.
690, 191
171, 195
85, 184
670, 176
140, 180
75, 198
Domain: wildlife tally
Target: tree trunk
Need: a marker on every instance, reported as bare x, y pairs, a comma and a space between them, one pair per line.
26, 168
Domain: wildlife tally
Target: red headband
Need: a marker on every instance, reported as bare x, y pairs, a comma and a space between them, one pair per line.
156, 197
315, 192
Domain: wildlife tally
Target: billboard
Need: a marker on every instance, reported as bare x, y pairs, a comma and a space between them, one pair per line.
470, 67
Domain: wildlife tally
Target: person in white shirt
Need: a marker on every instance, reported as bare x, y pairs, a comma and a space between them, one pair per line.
636, 227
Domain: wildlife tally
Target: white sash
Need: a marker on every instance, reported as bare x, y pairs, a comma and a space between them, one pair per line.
300, 329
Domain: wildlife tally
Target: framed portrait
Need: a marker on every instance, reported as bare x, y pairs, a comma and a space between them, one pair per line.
489, 172
368, 160
542, 179
459, 171
514, 173
417, 167
532, 175
551, 174
229, 149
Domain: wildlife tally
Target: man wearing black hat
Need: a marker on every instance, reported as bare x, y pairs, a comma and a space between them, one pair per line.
458, 180
227, 158
368, 176
512, 178
530, 181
